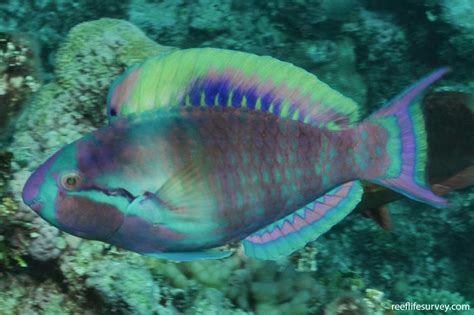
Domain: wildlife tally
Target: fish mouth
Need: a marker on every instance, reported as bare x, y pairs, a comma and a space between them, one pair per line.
30, 195
35, 204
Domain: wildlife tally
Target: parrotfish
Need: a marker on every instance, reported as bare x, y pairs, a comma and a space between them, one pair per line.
207, 147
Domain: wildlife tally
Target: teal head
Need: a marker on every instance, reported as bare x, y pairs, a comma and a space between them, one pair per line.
64, 193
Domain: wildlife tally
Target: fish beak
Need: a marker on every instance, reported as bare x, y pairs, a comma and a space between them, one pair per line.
30, 194
36, 206
31, 190
30, 198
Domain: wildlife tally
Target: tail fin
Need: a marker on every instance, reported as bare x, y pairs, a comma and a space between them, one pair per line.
402, 166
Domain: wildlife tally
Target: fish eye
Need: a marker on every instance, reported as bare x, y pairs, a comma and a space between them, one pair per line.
71, 181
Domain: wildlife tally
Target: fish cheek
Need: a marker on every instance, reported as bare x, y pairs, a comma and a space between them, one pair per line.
85, 218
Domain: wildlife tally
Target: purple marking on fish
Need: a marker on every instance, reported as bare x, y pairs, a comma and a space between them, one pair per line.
87, 218
398, 108
195, 97
235, 82
252, 97
237, 97
35, 181
97, 160
240, 85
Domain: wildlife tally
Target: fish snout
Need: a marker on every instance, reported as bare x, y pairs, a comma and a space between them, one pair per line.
31, 191
36, 205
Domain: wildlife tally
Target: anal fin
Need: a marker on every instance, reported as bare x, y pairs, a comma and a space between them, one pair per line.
191, 256
293, 232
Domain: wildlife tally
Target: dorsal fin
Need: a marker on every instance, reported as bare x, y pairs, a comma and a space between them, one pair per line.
217, 77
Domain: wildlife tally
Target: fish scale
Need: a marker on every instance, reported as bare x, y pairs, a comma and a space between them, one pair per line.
225, 153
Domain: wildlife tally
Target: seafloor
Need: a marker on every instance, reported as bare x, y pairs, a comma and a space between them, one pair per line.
57, 59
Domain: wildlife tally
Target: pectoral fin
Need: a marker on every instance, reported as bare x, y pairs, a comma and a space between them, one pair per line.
183, 203
187, 194
148, 207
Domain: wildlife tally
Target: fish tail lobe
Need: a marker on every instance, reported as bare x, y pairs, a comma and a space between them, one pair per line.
395, 142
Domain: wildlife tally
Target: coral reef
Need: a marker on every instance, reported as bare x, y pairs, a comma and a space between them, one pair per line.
10, 254
64, 110
19, 76
382, 48
50, 20
305, 259
130, 287
434, 296
93, 55
45, 244
296, 293
22, 295
5, 170
459, 16
392, 257
172, 26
